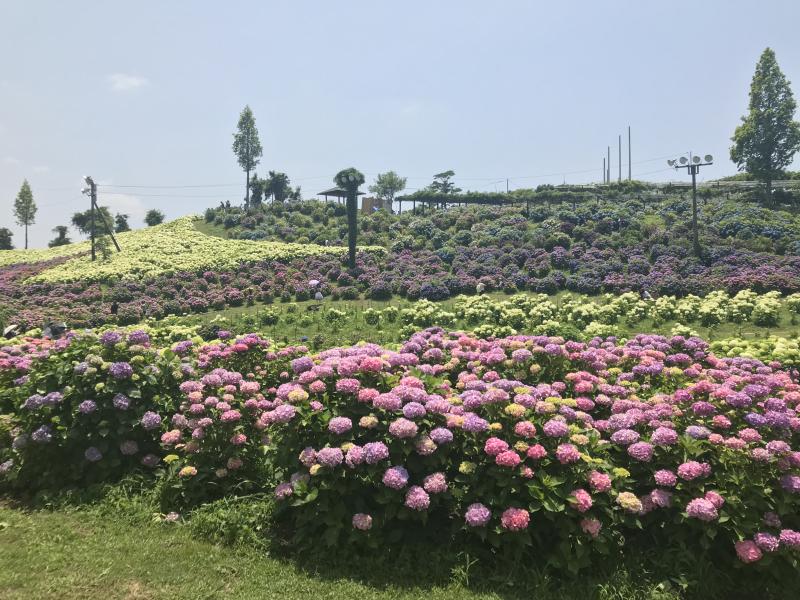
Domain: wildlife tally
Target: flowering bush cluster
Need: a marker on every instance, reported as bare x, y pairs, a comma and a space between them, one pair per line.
568, 447
536, 440
589, 250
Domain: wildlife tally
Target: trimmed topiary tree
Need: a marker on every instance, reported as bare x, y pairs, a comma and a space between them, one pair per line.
350, 179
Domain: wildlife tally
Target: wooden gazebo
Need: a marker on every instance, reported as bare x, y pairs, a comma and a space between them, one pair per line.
337, 193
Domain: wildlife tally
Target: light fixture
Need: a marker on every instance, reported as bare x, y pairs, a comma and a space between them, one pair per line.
708, 158
671, 162
696, 159
683, 160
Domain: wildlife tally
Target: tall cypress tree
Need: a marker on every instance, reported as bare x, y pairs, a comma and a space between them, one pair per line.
768, 137
25, 208
247, 146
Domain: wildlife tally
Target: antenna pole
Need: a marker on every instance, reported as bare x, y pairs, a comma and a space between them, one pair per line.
629, 153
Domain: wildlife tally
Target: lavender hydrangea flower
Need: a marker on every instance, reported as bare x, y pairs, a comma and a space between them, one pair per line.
151, 420
93, 454
87, 407
120, 370
121, 402
477, 515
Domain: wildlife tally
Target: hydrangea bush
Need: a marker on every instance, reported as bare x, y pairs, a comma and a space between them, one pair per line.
568, 448
541, 442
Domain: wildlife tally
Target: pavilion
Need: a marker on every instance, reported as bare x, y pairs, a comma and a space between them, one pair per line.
338, 193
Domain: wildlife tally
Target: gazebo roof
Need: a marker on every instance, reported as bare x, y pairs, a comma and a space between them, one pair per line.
338, 192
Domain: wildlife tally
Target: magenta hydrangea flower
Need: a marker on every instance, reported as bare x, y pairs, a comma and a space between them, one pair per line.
581, 500
355, 456
525, 429
661, 498
567, 454
340, 425
641, 451
665, 478
403, 428
515, 519
330, 457
477, 515
414, 410
494, 446
441, 435
591, 526
362, 521
395, 477
283, 491
748, 551
417, 498
766, 541
374, 452
151, 420
702, 509
692, 470
599, 482
790, 539
509, 458
555, 428
435, 483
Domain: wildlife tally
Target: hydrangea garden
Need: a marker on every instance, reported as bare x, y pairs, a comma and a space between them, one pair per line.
541, 395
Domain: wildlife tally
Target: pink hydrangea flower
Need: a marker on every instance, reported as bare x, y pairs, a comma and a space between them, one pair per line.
417, 498
748, 551
515, 519
581, 500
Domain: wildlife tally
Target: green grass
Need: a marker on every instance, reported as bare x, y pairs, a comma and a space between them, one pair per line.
118, 546
99, 553
354, 328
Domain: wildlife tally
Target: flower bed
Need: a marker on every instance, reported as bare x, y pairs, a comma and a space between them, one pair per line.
562, 446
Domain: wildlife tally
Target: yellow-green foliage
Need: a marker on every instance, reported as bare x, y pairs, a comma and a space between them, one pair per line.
174, 246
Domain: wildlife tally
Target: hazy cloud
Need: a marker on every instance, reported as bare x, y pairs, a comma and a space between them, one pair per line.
123, 82
10, 160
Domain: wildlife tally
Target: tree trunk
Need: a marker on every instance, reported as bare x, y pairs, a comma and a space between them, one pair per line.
352, 227
26, 236
247, 189
769, 191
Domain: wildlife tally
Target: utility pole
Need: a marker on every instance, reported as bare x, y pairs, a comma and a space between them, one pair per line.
506, 186
619, 147
604, 169
92, 193
629, 153
608, 164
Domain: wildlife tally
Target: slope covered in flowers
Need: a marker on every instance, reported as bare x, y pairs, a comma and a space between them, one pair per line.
172, 247
568, 448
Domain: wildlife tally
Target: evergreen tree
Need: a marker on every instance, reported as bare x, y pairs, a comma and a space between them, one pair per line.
121, 223
5, 239
153, 217
247, 146
25, 208
768, 138
61, 239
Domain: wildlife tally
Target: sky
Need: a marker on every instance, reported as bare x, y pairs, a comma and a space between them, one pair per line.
148, 93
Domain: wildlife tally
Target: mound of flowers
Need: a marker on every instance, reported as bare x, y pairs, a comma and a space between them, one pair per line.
565, 447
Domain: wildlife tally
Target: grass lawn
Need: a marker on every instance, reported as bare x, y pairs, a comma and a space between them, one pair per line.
354, 328
120, 549
88, 554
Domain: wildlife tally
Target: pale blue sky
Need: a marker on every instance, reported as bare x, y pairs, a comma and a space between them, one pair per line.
148, 93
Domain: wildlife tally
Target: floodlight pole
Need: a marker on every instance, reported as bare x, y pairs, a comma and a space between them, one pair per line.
693, 168
92, 197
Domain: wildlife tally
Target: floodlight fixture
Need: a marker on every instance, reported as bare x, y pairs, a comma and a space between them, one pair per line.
696, 159
683, 160
708, 158
671, 162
